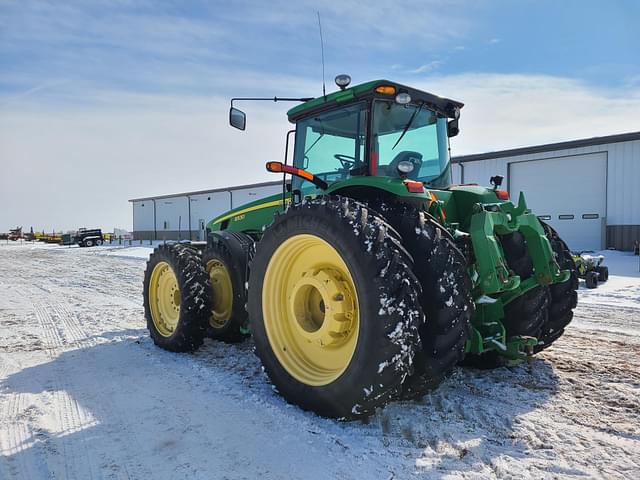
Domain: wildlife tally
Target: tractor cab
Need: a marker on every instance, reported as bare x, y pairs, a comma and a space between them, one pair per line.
376, 129
379, 128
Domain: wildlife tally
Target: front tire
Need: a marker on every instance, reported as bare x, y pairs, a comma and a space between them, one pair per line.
446, 299
563, 297
176, 300
334, 308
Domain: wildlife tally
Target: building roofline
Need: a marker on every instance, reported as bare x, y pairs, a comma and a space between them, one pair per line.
585, 142
199, 192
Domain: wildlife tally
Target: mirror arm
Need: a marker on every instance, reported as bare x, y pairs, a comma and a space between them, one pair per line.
270, 99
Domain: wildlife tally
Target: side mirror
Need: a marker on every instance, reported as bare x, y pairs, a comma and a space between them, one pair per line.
496, 181
237, 118
452, 128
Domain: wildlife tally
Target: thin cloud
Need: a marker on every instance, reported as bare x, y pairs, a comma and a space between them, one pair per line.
427, 67
511, 110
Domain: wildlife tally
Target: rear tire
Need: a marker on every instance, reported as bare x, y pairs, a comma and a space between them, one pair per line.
176, 300
228, 294
88, 243
345, 243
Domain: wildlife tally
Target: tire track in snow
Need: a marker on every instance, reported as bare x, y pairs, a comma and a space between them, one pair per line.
65, 333
76, 461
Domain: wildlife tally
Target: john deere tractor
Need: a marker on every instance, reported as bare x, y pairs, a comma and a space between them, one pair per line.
371, 276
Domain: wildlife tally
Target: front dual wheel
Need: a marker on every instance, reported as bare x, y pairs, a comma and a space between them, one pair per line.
334, 308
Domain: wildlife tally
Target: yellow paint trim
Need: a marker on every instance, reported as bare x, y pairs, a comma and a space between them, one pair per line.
274, 203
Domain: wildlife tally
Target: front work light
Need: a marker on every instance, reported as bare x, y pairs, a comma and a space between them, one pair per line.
403, 98
343, 81
405, 167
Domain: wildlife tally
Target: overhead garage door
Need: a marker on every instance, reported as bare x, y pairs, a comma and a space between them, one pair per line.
569, 193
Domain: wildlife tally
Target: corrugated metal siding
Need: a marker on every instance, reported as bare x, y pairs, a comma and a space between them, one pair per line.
624, 184
456, 174
172, 212
623, 237
143, 215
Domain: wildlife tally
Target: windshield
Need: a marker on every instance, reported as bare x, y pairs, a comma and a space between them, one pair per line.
411, 133
331, 145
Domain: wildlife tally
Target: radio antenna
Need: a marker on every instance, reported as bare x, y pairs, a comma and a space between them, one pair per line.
324, 93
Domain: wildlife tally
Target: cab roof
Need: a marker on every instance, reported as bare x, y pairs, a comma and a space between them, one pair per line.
444, 106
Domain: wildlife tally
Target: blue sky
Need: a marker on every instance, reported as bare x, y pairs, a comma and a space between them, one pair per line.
121, 95
195, 47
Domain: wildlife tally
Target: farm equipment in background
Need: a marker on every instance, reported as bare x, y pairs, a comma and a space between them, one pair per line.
47, 237
589, 267
371, 276
15, 234
89, 237
67, 239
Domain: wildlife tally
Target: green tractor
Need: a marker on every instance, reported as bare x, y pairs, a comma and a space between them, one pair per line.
371, 276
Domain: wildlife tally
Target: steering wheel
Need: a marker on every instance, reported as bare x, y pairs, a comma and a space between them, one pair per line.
347, 161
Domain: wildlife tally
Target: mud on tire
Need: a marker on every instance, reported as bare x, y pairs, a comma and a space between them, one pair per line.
388, 304
193, 284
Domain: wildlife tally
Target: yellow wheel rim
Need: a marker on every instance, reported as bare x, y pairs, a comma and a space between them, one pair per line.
164, 299
310, 310
222, 293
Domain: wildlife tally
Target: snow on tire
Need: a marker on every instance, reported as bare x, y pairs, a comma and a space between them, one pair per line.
446, 297
175, 278
563, 296
386, 293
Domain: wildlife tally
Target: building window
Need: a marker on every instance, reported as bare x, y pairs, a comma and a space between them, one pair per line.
590, 216
544, 217
166, 225
565, 217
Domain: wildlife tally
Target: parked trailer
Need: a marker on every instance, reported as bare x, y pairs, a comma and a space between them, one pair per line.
89, 237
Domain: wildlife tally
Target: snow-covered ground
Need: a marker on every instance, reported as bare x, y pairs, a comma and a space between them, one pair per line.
85, 394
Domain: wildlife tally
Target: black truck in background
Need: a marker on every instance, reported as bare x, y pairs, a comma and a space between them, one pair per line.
89, 237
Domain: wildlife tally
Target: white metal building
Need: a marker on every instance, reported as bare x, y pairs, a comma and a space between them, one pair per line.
185, 215
588, 190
